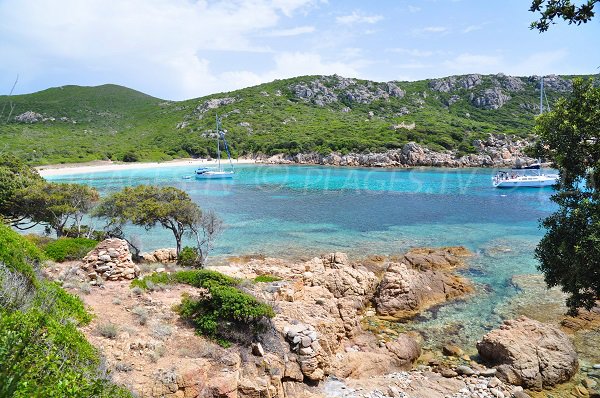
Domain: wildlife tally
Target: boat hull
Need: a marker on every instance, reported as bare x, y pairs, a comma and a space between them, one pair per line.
213, 175
514, 183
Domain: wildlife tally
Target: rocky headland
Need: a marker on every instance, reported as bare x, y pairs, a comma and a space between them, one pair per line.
498, 150
317, 344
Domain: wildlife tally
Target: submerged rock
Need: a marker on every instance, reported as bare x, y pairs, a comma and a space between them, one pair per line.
529, 353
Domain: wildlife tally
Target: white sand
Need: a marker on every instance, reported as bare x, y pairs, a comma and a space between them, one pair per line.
63, 169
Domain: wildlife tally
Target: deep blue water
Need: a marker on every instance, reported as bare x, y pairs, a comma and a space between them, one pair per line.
303, 211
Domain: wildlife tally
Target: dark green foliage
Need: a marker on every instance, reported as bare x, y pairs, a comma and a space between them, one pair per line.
18, 254
266, 278
196, 278
553, 9
64, 249
226, 307
188, 257
114, 121
569, 253
60, 207
42, 354
131, 157
14, 176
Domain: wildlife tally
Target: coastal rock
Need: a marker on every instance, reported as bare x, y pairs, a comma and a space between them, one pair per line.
529, 353
419, 281
499, 150
405, 349
164, 256
110, 260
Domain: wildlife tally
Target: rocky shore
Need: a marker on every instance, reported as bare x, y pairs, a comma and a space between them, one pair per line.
317, 345
498, 150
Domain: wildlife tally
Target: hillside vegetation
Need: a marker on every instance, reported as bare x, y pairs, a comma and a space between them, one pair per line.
304, 114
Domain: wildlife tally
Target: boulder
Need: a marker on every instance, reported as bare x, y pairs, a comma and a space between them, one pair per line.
529, 353
405, 291
406, 350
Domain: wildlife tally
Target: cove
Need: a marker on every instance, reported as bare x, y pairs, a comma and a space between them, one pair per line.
302, 211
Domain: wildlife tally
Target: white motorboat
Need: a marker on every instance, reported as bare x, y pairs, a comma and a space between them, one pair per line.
526, 177
209, 173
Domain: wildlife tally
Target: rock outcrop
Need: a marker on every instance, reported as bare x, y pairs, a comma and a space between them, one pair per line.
498, 150
529, 353
420, 280
331, 89
29, 117
110, 260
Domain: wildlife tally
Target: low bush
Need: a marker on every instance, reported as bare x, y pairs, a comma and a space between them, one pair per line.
108, 330
266, 278
196, 278
188, 257
64, 249
225, 308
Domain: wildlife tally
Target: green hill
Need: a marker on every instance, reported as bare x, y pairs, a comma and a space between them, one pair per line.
303, 114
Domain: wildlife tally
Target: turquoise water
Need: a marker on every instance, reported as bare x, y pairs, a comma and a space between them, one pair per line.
303, 211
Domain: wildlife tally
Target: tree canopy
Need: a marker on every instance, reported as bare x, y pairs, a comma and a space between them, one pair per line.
554, 9
14, 176
569, 253
146, 206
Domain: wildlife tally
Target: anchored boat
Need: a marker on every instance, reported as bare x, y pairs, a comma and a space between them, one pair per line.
527, 177
209, 173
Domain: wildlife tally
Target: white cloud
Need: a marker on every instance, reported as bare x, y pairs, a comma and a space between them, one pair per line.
411, 52
472, 28
358, 17
137, 40
474, 63
300, 30
413, 9
436, 30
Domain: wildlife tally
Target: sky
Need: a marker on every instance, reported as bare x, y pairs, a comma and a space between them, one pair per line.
180, 49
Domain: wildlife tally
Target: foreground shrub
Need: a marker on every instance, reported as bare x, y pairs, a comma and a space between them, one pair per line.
41, 357
266, 278
42, 353
64, 249
223, 310
19, 254
188, 257
196, 278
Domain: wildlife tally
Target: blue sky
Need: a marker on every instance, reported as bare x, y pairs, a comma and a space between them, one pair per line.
179, 49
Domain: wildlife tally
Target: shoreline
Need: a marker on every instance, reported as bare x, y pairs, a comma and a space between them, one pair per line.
101, 166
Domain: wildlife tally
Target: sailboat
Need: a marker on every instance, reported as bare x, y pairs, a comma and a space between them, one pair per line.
529, 176
209, 173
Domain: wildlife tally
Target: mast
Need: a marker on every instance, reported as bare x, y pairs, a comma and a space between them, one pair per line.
542, 96
218, 143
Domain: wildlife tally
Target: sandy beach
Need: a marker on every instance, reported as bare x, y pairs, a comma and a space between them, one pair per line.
99, 166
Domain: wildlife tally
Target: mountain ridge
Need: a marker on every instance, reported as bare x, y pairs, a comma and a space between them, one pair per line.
305, 114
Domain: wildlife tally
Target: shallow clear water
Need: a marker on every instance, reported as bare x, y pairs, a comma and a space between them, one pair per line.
303, 211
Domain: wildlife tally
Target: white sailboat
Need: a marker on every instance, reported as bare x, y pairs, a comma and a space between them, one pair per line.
530, 176
209, 173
